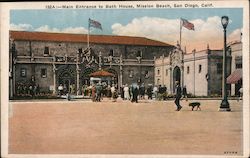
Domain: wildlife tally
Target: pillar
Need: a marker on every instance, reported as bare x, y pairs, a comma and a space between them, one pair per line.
54, 78
77, 79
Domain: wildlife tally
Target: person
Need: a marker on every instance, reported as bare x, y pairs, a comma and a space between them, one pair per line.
240, 93
109, 91
130, 91
135, 93
184, 92
31, 90
35, 89
98, 91
142, 91
60, 89
38, 89
68, 96
149, 92
126, 92
93, 91
122, 91
114, 93
177, 96
155, 91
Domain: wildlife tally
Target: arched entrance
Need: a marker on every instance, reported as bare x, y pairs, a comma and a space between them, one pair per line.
66, 77
176, 76
85, 78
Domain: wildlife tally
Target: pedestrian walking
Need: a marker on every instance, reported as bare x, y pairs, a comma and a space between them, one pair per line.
126, 92
177, 96
184, 92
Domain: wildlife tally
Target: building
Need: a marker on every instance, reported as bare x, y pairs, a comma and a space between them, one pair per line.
235, 78
200, 71
50, 59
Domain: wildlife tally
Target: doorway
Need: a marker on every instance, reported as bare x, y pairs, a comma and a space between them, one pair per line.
176, 76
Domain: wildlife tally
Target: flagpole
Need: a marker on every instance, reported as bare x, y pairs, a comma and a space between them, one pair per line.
182, 57
88, 33
180, 32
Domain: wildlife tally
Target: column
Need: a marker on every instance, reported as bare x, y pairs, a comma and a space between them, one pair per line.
171, 80
14, 76
121, 71
77, 79
54, 78
194, 72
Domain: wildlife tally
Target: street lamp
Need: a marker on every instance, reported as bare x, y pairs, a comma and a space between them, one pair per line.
224, 106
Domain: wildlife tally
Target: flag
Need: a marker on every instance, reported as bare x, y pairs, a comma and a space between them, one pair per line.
96, 24
187, 24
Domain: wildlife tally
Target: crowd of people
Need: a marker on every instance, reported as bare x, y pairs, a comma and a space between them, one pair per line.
24, 89
132, 92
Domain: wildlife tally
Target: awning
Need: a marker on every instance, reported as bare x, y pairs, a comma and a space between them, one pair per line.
235, 76
101, 73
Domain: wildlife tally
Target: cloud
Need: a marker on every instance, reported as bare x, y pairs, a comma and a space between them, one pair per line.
80, 30
235, 35
46, 28
207, 31
77, 30
21, 27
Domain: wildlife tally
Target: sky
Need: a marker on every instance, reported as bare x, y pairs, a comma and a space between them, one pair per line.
158, 24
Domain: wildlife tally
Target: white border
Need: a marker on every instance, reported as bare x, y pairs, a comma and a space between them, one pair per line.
4, 13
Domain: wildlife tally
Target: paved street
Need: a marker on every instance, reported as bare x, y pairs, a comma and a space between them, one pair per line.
122, 127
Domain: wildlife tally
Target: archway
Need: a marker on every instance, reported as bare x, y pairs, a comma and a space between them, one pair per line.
176, 76
85, 78
66, 79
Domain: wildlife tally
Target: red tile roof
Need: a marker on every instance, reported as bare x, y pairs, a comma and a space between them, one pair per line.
100, 39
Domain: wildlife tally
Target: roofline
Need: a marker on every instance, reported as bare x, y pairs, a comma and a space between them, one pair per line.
204, 50
77, 34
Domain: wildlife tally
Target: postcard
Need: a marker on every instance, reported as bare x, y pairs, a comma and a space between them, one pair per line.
125, 79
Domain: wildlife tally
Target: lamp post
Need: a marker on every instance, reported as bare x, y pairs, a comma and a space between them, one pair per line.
224, 106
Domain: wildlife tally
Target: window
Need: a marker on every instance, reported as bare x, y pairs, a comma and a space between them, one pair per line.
131, 73
200, 67
80, 50
139, 53
158, 81
166, 72
158, 72
23, 72
111, 52
188, 69
146, 74
43, 73
238, 66
46, 51
219, 68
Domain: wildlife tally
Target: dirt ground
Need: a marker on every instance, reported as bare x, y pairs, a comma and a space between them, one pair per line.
122, 127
